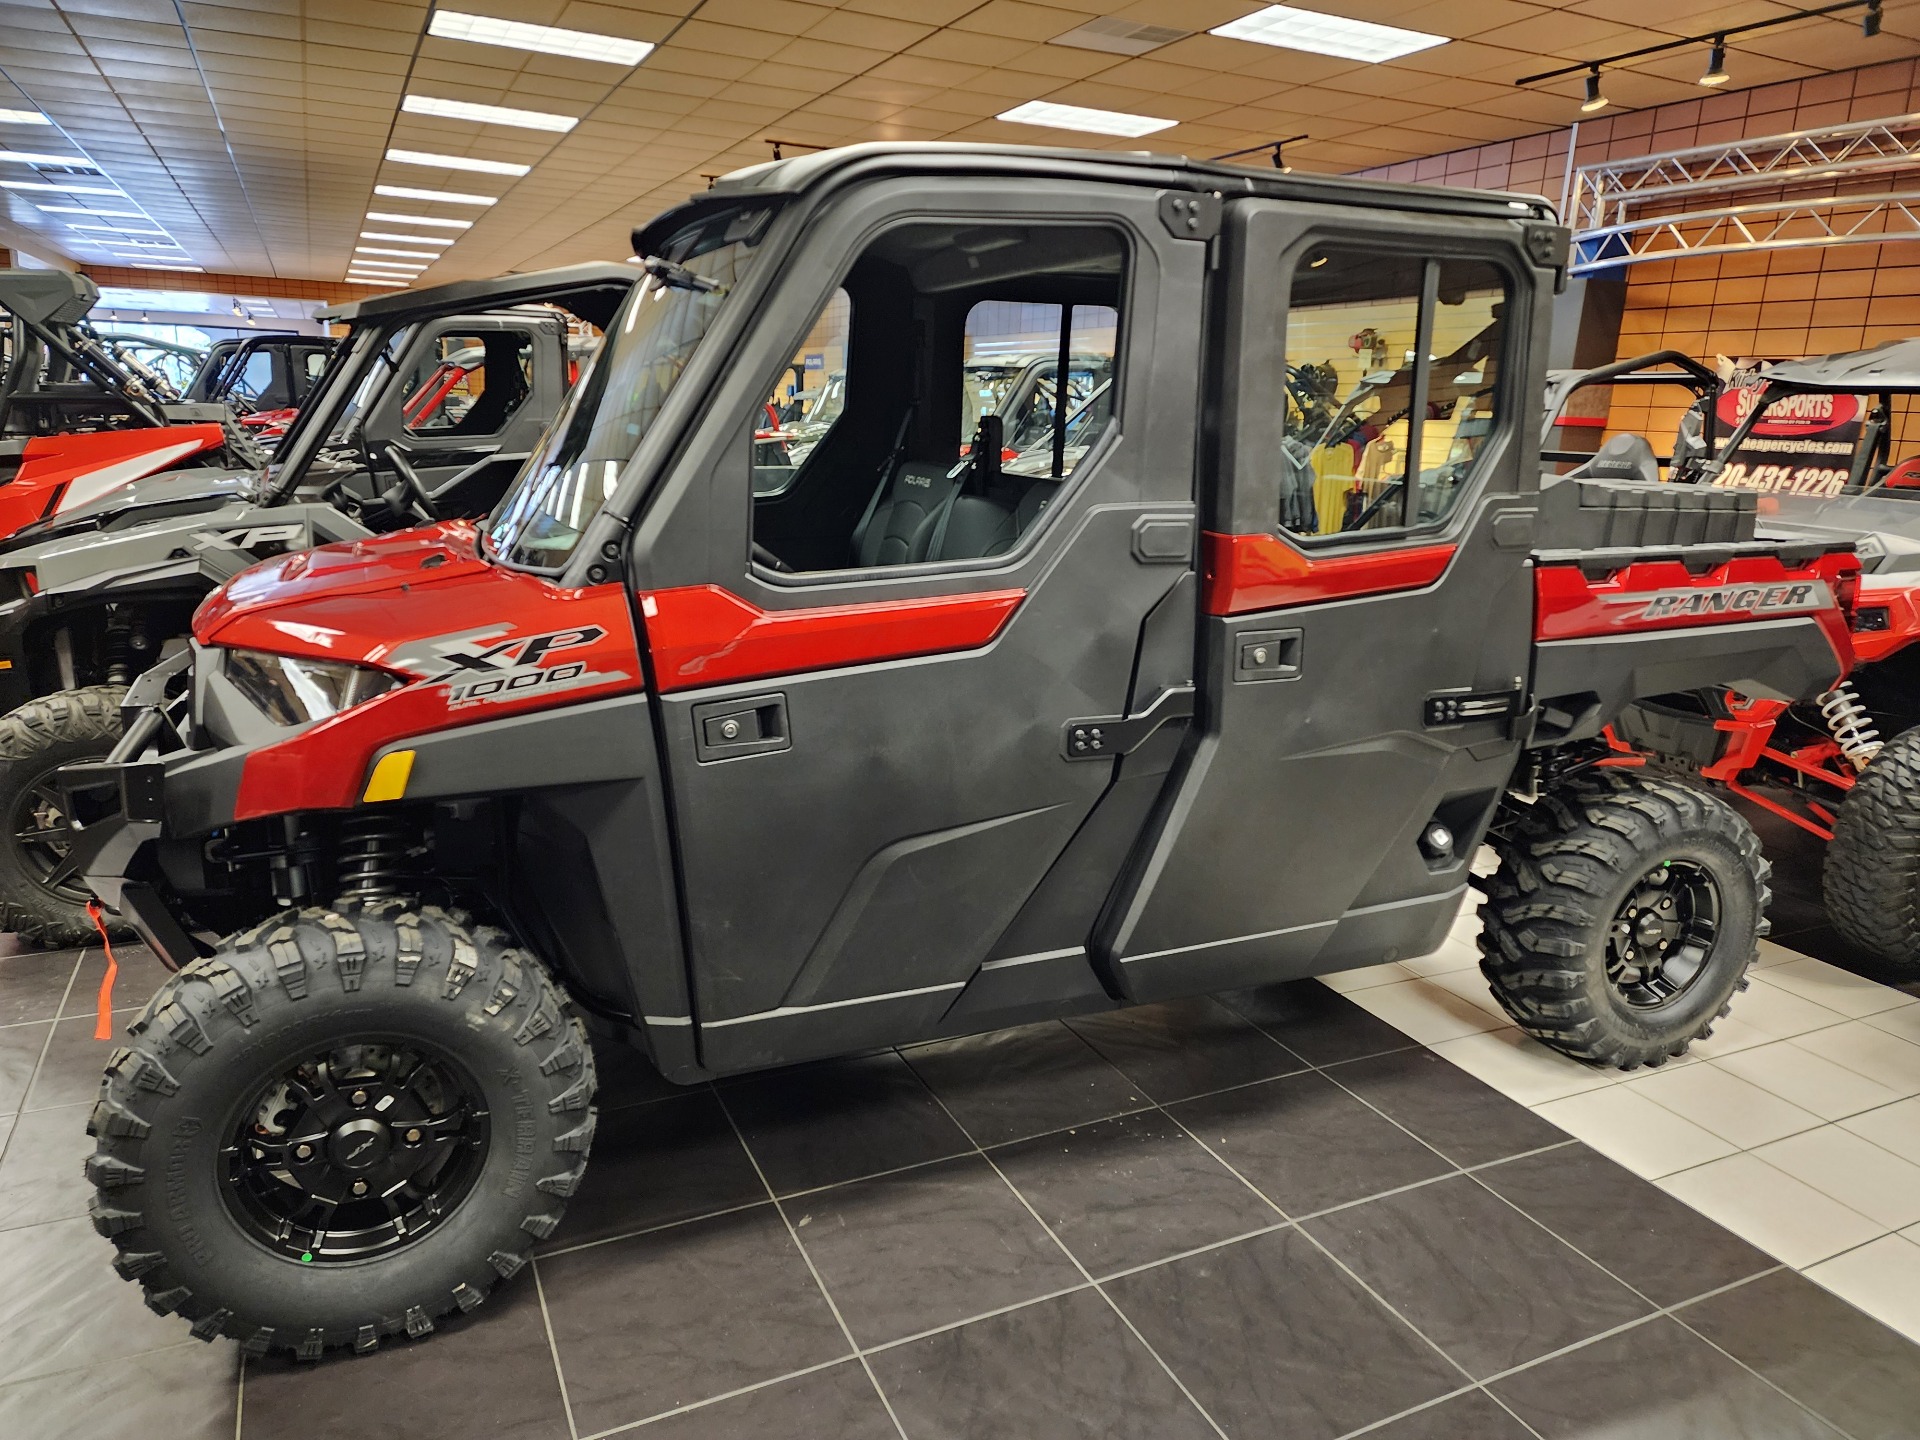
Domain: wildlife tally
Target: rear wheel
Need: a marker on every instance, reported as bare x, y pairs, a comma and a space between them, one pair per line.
1623, 917
342, 1126
39, 900
1872, 873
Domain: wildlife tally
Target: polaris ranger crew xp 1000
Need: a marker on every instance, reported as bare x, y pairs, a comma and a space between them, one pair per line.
905, 746
391, 435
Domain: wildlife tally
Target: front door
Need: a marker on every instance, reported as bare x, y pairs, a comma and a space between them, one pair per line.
900, 713
1368, 613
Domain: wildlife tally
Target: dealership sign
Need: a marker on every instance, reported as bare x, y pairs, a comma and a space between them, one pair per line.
1802, 445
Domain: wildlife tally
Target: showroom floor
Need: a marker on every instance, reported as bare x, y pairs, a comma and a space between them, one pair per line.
1279, 1216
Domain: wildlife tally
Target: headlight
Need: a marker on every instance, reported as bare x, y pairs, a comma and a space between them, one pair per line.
291, 690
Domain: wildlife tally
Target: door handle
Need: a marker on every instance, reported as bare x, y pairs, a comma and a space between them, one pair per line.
1267, 655
751, 725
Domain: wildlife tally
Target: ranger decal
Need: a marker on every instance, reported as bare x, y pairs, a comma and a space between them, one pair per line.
1796, 598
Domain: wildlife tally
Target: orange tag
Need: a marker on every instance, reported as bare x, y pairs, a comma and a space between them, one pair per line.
103, 1009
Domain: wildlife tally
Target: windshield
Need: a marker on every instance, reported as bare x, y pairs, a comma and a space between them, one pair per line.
652, 339
305, 436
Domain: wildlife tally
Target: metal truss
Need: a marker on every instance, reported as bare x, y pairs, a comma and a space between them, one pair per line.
1765, 225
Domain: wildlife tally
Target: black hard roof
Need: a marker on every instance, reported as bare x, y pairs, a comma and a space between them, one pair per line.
803, 172
571, 285
1892, 366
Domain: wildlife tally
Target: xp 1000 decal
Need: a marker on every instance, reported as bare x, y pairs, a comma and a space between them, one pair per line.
492, 665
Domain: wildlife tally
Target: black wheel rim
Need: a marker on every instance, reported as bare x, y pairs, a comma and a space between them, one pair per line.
1663, 934
41, 838
355, 1151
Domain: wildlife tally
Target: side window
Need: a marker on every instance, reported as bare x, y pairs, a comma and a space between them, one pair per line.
807, 399
943, 425
1379, 435
468, 385
255, 377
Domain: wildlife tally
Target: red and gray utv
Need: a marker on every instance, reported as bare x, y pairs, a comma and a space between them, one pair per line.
906, 746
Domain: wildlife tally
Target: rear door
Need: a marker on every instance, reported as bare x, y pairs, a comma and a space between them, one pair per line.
898, 791
1368, 614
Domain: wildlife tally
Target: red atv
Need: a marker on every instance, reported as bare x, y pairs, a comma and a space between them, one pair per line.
79, 417
908, 747
1817, 442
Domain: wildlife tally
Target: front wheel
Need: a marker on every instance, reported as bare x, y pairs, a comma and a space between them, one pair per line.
39, 900
1623, 917
1871, 877
340, 1127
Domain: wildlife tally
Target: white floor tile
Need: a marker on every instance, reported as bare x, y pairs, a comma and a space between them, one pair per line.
1454, 954
1729, 1035
1424, 1011
1904, 1022
1521, 1068
1868, 1051
1736, 1110
1625, 1126
1471, 986
1856, 1172
1891, 1127
1810, 1081
1780, 1013
1364, 979
1835, 988
1882, 1279
1791, 1221
1772, 954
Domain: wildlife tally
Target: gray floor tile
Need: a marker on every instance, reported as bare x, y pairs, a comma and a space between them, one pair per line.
32, 986
1653, 1382
1066, 1367
40, 1168
1185, 1047
1318, 1024
817, 1125
20, 1047
63, 1308
1845, 1365
1132, 1190
1667, 1251
186, 1393
838, 1403
489, 1373
138, 973
1472, 1416
927, 1247
70, 1073
652, 1164
1273, 1339
1025, 1081
1465, 1119
1487, 1285
1307, 1143
684, 1314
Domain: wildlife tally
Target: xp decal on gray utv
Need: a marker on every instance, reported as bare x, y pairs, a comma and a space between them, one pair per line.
427, 407
908, 746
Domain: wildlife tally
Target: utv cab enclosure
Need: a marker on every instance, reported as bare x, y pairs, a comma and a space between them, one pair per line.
911, 746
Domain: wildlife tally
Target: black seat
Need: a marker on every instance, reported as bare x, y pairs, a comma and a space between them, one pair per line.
1624, 457
992, 524
900, 528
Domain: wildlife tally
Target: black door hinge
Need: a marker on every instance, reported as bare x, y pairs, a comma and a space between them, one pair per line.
1102, 737
1190, 216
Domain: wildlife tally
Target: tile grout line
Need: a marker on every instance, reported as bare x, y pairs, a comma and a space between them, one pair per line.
1074, 1260
240, 1398
553, 1348
793, 1234
33, 1075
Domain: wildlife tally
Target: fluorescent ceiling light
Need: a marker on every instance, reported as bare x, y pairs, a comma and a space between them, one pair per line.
408, 254
23, 117
87, 210
402, 192
64, 189
29, 157
546, 39
456, 162
410, 239
418, 220
1078, 117
376, 280
488, 114
1309, 30
386, 265
196, 269
117, 229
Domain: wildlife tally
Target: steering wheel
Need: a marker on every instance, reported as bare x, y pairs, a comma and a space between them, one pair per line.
418, 498
764, 556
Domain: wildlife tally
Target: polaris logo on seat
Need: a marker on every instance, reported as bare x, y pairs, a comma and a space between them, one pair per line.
1760, 600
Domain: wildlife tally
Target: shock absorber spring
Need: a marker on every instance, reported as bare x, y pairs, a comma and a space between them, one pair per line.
372, 855
1851, 727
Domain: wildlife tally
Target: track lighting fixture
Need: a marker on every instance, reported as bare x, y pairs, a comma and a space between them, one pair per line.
1716, 63
1595, 100
1870, 22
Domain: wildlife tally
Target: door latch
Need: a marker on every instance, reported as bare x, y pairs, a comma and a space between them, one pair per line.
1102, 737
752, 725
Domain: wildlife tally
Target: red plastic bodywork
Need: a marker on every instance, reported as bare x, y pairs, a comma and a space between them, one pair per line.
378, 602
704, 635
1242, 573
58, 472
